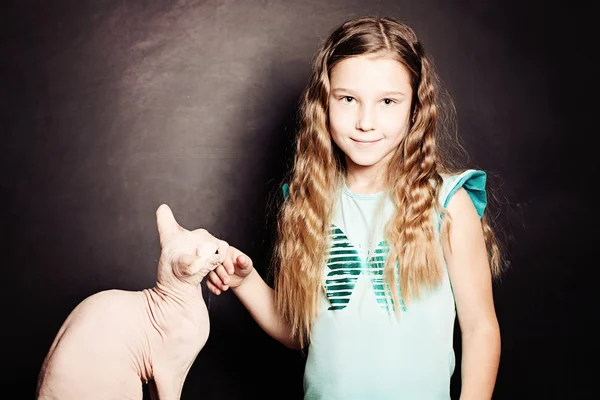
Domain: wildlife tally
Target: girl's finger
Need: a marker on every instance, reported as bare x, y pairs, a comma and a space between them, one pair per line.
223, 276
212, 288
244, 263
228, 262
215, 280
223, 248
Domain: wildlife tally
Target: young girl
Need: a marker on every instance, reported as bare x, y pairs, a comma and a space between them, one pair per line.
380, 242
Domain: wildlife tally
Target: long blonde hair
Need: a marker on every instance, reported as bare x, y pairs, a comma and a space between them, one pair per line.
413, 178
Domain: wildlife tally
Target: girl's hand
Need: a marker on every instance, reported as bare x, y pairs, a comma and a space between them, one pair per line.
231, 273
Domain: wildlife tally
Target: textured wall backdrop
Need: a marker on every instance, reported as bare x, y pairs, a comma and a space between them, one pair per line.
112, 107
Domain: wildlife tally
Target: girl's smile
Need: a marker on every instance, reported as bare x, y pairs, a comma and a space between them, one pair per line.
365, 142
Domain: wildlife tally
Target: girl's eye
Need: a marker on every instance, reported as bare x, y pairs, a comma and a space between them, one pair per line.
347, 99
388, 102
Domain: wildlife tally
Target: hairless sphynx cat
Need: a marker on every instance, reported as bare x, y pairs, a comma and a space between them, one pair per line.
115, 340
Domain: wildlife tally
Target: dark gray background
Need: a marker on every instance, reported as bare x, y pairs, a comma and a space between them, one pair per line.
110, 108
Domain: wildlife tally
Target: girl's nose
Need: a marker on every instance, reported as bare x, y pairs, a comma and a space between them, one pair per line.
365, 121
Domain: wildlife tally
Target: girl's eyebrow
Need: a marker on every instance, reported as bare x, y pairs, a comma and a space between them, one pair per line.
388, 93
393, 93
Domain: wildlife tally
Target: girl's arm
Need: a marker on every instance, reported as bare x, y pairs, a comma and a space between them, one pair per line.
471, 280
259, 300
238, 273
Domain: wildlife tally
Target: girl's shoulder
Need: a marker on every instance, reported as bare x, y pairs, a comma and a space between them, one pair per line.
472, 180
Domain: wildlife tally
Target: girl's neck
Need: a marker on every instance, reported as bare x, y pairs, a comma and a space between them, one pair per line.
364, 180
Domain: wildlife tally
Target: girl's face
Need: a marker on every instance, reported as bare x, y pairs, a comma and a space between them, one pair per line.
369, 110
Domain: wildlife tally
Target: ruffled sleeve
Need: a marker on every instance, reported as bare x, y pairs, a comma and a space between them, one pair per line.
473, 181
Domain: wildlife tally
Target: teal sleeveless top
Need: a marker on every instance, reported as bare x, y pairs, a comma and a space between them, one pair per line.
359, 349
